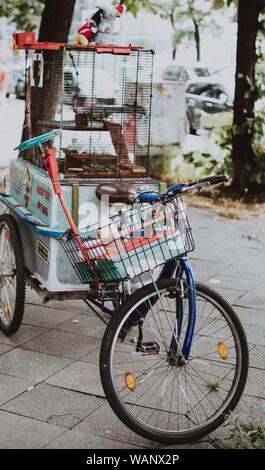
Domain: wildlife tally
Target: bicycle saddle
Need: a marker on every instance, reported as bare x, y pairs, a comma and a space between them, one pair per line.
40, 139
117, 192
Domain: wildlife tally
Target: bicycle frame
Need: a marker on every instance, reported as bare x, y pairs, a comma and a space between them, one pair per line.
184, 268
173, 268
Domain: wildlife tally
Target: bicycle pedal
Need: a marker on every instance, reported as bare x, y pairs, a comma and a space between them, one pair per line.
171, 294
150, 348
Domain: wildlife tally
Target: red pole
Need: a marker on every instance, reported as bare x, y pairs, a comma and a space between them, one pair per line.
50, 162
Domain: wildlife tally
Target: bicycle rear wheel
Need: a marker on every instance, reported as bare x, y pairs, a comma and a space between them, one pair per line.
158, 394
12, 276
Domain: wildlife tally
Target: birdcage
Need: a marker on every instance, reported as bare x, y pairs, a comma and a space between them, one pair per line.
100, 98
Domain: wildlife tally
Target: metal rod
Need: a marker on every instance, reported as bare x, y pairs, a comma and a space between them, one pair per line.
47, 296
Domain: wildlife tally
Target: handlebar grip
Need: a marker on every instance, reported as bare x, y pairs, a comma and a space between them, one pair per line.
150, 198
216, 179
175, 187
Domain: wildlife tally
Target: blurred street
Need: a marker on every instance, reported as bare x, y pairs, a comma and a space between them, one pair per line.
11, 120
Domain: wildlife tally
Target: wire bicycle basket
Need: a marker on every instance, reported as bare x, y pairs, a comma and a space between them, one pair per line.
132, 243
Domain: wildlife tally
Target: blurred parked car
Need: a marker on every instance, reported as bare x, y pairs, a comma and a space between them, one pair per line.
20, 89
183, 73
16, 82
207, 96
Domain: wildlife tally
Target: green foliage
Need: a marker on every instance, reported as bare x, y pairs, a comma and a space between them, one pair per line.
214, 386
171, 165
24, 13
215, 154
193, 160
188, 19
223, 131
218, 4
204, 163
161, 163
135, 5
253, 126
248, 434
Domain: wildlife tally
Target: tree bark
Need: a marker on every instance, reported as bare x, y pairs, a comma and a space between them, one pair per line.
56, 20
242, 154
55, 26
197, 40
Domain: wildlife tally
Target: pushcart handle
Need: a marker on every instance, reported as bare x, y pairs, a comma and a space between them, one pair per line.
38, 141
51, 165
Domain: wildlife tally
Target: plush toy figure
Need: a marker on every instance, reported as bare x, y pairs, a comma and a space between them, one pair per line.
99, 27
109, 14
86, 33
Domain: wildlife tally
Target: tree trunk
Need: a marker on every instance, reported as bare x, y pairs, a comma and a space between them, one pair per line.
172, 20
55, 26
197, 40
56, 20
243, 156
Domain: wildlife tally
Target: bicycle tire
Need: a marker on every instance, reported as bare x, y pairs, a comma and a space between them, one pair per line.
11, 325
106, 369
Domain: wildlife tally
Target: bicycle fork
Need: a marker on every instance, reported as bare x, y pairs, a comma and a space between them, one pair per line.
174, 352
174, 269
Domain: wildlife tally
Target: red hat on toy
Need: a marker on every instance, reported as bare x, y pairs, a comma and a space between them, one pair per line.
119, 10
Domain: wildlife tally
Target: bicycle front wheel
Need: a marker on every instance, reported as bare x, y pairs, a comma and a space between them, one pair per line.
153, 389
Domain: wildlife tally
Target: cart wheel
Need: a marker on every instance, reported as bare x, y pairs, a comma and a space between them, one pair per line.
12, 276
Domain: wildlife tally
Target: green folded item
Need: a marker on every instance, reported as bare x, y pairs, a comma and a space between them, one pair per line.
107, 270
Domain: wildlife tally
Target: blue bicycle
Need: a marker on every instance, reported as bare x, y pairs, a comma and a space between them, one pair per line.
174, 357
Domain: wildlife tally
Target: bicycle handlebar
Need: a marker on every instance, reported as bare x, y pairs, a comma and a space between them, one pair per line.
216, 179
152, 197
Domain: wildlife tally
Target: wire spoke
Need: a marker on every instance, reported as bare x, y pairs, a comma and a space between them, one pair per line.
171, 394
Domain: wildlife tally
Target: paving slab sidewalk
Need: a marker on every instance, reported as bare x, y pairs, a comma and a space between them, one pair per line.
46, 399
50, 391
